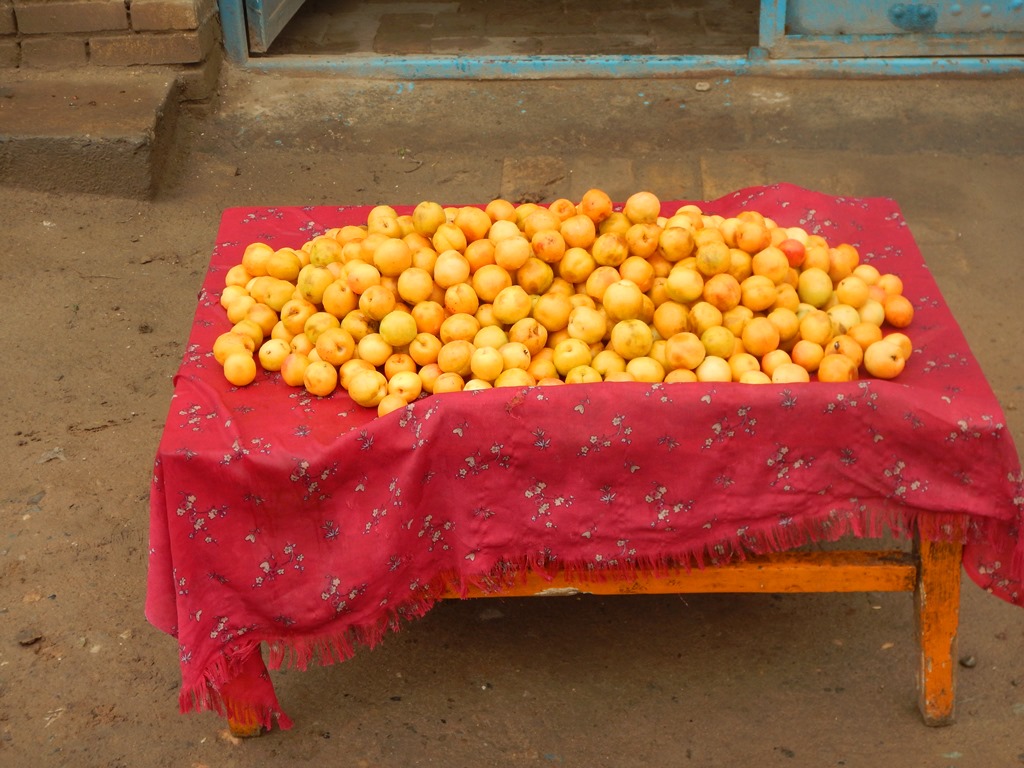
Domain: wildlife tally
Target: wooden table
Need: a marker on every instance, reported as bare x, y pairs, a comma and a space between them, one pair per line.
931, 570
299, 527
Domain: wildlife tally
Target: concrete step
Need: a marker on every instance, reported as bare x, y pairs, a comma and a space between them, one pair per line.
94, 132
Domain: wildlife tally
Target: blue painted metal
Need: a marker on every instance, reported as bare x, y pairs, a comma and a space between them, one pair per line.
913, 17
266, 18
757, 62
232, 22
772, 23
500, 67
881, 17
872, 29
773, 56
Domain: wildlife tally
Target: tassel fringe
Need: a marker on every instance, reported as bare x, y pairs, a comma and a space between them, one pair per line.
260, 710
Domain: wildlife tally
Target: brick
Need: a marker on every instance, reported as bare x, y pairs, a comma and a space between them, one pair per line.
7, 25
53, 51
165, 15
69, 16
151, 48
10, 53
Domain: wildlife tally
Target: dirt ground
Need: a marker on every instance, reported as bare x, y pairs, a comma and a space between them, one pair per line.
98, 297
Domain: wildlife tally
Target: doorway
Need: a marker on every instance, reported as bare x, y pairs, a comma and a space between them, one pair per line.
328, 28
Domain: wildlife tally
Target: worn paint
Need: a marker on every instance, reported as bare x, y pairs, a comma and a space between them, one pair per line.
418, 68
560, 592
913, 17
232, 22
936, 614
873, 17
881, 28
266, 18
789, 572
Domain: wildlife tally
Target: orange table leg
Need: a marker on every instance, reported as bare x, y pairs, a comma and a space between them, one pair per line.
937, 616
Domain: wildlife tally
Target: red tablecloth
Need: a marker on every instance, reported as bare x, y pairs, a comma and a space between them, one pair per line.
313, 526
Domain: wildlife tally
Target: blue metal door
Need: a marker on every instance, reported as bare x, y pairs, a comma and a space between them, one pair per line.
894, 17
891, 28
264, 20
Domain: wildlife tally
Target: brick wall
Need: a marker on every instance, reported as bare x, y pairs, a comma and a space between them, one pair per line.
110, 33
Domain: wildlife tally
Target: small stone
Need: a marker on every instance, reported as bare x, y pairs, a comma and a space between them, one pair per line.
54, 454
968, 662
702, 86
29, 636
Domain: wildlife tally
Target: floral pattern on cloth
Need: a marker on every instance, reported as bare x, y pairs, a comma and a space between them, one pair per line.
312, 526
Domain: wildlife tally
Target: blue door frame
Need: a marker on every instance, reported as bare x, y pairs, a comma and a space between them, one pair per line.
778, 52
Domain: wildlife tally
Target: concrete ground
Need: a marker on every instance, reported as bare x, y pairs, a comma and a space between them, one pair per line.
100, 290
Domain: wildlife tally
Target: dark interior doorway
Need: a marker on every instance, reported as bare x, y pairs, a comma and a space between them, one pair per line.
521, 28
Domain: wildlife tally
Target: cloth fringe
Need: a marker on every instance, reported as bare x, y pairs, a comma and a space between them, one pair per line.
300, 652
237, 686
